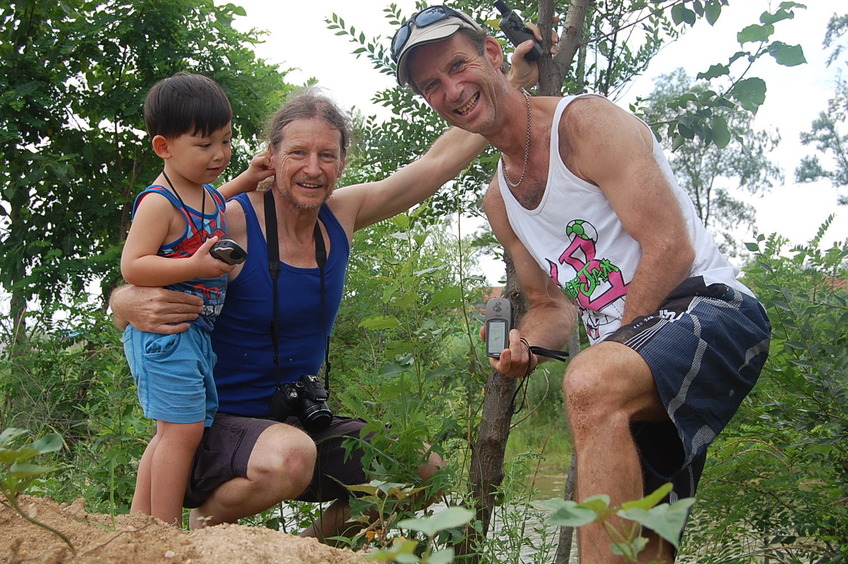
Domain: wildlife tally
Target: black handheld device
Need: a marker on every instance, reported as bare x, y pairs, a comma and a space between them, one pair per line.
228, 251
514, 28
498, 324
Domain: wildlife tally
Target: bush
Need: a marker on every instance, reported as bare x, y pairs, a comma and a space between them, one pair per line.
788, 445
68, 376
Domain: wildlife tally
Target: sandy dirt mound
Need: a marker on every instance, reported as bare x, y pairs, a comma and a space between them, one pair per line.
140, 538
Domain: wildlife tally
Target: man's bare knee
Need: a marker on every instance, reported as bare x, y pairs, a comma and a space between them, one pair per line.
286, 463
588, 396
428, 469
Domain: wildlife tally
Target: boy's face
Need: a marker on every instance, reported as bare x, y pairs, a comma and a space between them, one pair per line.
197, 158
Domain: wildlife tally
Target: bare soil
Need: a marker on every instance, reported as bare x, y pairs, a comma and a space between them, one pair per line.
140, 538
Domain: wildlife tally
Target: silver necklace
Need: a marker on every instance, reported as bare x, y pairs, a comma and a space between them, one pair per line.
526, 147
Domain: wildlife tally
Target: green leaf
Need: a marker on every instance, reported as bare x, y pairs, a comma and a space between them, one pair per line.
9, 434
380, 322
8, 457
629, 550
447, 519
237, 10
750, 93
597, 503
444, 556
364, 488
713, 11
27, 470
783, 13
713, 72
681, 14
400, 551
650, 500
452, 295
665, 520
569, 513
787, 55
721, 133
755, 33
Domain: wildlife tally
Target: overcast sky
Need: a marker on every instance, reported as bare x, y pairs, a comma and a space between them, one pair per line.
795, 95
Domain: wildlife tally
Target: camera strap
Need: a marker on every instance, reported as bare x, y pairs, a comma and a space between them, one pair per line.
272, 243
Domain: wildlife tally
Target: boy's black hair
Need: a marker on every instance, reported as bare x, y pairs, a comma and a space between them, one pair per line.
186, 103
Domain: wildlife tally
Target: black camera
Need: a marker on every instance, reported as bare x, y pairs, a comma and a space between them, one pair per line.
306, 399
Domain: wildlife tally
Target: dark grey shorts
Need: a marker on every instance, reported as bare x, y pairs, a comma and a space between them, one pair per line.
706, 346
226, 446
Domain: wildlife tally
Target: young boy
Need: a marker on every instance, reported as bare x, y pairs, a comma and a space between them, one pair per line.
176, 221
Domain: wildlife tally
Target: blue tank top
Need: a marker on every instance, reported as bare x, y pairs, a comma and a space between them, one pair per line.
245, 374
200, 226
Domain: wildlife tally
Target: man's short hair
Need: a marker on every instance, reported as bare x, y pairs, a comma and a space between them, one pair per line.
186, 104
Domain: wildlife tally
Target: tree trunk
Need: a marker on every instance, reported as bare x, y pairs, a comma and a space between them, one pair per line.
566, 534
487, 454
552, 70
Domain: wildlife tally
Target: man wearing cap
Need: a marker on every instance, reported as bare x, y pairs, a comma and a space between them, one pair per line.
587, 206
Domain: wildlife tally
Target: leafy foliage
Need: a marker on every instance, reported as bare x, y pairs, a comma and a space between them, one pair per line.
714, 174
825, 134
70, 377
665, 519
17, 473
789, 442
704, 115
404, 550
73, 151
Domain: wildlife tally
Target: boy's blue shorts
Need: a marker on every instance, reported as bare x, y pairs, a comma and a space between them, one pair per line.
173, 374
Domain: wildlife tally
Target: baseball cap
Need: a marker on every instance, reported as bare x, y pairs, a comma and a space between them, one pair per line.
430, 24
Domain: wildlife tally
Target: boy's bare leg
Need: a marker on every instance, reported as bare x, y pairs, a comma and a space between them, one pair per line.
141, 495
171, 464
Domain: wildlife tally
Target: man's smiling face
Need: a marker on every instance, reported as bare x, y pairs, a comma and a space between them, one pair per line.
457, 81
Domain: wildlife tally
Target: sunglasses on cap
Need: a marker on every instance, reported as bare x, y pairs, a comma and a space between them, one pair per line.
425, 17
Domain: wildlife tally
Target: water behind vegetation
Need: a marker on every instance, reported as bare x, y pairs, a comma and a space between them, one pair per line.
519, 533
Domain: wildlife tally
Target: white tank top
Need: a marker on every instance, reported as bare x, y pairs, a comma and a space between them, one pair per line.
576, 238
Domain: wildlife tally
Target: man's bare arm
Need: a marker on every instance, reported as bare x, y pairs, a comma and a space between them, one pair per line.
155, 310
550, 318
613, 150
